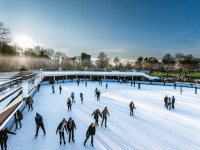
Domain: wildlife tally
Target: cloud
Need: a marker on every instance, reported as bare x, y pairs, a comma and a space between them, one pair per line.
114, 51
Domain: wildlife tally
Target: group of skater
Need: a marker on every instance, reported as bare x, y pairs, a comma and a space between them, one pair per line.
169, 102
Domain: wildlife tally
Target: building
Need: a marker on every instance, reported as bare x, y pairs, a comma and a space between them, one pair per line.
85, 57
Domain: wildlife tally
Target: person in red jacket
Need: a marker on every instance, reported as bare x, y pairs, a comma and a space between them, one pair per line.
70, 126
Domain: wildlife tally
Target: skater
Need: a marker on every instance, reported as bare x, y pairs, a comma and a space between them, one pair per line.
69, 104
39, 123
134, 83
174, 85
165, 100
106, 85
131, 82
85, 83
60, 88
101, 82
61, 127
139, 85
173, 101
96, 92
98, 95
72, 96
96, 114
70, 126
18, 118
30, 103
164, 82
169, 102
4, 137
195, 89
132, 106
53, 89
38, 87
81, 96
104, 116
78, 81
90, 132
181, 90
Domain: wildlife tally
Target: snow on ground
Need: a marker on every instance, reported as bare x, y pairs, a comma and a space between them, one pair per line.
152, 128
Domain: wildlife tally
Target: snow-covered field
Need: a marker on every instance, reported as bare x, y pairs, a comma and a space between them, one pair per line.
151, 128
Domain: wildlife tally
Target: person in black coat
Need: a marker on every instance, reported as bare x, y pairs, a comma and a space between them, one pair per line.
60, 88
195, 89
39, 123
81, 96
106, 85
173, 101
4, 137
132, 106
18, 118
96, 114
69, 104
90, 132
165, 100
139, 85
38, 87
98, 95
70, 126
61, 127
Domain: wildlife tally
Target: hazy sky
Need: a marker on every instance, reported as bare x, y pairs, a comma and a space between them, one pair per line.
124, 28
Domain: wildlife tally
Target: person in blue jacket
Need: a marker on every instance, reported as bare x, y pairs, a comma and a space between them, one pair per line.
39, 123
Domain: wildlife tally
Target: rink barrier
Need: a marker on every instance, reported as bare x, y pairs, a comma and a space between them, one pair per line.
136, 82
11, 123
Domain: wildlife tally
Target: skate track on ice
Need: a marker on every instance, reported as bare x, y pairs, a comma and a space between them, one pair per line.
151, 128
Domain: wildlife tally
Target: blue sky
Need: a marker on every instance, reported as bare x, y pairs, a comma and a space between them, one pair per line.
124, 28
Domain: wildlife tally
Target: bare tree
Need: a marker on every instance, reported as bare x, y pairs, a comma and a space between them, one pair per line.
103, 61
138, 63
168, 62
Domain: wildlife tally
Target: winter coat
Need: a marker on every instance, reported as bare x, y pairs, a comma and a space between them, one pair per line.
72, 125
169, 101
18, 115
96, 114
60, 127
69, 102
91, 130
132, 106
104, 113
173, 100
3, 134
165, 99
38, 120
30, 100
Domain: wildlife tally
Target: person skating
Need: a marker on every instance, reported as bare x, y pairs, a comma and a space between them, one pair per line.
173, 101
53, 89
98, 95
4, 137
61, 127
72, 96
106, 85
165, 100
69, 104
71, 126
96, 114
104, 114
132, 106
85, 83
139, 85
38, 87
81, 96
90, 132
181, 90
60, 88
169, 102
195, 89
30, 103
95, 91
101, 82
174, 85
131, 82
18, 118
78, 81
39, 123
134, 83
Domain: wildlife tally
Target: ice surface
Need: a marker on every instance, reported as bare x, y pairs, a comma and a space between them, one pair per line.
152, 128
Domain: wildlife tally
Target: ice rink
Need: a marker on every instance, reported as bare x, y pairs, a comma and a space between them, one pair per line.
151, 128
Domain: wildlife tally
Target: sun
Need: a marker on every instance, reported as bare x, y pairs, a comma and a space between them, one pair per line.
24, 41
